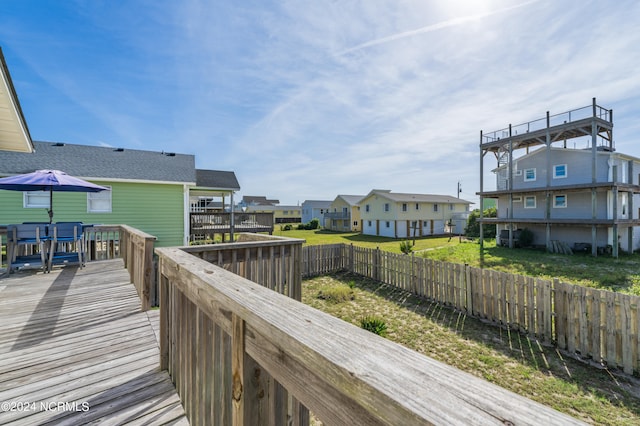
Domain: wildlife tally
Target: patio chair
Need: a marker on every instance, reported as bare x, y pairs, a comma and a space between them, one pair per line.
26, 245
67, 244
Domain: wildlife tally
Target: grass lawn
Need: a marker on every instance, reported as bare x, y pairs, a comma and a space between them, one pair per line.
603, 272
321, 236
507, 359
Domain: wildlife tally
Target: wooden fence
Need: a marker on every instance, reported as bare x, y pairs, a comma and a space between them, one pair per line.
272, 262
596, 324
235, 351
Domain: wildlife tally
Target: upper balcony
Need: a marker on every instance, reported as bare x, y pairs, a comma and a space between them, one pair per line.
576, 123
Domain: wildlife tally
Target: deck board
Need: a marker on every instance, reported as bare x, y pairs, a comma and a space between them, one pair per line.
77, 336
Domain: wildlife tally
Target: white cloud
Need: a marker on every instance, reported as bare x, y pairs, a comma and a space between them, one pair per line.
310, 100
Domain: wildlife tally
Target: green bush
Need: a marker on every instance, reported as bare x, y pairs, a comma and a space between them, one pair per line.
311, 225
473, 226
526, 237
341, 293
374, 324
286, 227
406, 247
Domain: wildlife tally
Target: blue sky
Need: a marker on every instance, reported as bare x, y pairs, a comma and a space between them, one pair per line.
311, 99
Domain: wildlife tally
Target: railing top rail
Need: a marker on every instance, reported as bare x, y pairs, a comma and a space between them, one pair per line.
342, 373
139, 233
554, 120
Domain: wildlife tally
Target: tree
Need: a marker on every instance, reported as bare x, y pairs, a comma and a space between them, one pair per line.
473, 226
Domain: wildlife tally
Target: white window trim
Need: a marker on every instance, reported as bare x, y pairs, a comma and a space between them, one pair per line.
526, 179
566, 172
92, 194
27, 194
566, 201
534, 202
387, 207
517, 199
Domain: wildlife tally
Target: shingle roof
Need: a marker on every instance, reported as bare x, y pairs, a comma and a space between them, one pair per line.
318, 204
352, 200
427, 198
101, 162
217, 179
259, 200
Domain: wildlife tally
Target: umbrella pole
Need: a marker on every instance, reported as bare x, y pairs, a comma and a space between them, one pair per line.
50, 204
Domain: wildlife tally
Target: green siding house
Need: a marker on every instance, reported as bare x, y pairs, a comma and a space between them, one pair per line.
149, 190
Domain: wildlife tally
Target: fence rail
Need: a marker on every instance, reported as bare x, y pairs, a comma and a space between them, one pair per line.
235, 350
597, 324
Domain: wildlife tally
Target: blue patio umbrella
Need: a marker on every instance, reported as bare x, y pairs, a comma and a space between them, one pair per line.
49, 180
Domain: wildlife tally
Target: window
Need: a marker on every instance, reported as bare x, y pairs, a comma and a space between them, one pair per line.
36, 199
559, 201
355, 223
452, 207
425, 223
286, 212
517, 199
388, 224
404, 207
529, 175
386, 207
417, 206
99, 202
366, 208
530, 202
559, 171
368, 223
435, 207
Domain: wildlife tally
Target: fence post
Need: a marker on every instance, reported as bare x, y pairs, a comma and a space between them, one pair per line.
469, 288
376, 265
237, 369
351, 258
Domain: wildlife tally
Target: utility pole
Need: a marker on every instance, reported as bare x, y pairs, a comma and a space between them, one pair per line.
459, 189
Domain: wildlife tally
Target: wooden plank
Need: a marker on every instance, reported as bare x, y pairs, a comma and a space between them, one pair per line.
79, 335
561, 306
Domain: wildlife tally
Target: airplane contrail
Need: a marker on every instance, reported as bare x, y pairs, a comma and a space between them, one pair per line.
440, 25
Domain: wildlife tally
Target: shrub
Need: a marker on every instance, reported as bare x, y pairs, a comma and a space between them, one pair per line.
473, 226
337, 294
374, 324
406, 247
526, 237
301, 226
286, 227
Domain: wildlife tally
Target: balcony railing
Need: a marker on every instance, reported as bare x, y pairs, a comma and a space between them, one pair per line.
204, 226
338, 216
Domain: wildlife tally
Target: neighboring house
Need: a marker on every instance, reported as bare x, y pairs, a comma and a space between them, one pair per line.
14, 133
252, 200
149, 190
281, 214
213, 191
564, 181
314, 209
344, 214
397, 215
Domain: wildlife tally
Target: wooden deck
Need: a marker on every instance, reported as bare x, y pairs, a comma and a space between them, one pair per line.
76, 349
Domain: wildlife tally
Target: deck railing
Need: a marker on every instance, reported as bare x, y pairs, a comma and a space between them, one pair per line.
235, 350
204, 226
136, 249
